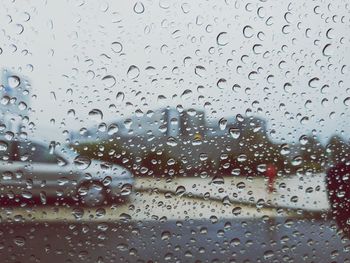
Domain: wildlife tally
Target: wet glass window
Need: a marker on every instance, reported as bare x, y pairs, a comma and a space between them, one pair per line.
174, 131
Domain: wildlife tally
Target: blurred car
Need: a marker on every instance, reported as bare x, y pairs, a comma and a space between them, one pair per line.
338, 188
34, 171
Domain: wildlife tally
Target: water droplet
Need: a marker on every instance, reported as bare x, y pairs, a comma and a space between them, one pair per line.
235, 133
112, 129
248, 31
180, 190
117, 47
165, 235
221, 39
82, 162
133, 72
22, 105
326, 51
222, 124
109, 81
52, 147
297, 160
171, 141
3, 146
120, 96
347, 101
237, 211
313, 82
96, 114
126, 190
186, 94
19, 241
268, 254
222, 83
78, 213
303, 140
218, 180
139, 8
200, 71
13, 81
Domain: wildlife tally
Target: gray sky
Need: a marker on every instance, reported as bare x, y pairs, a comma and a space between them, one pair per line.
257, 57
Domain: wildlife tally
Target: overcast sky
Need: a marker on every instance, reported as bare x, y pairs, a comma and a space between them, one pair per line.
286, 62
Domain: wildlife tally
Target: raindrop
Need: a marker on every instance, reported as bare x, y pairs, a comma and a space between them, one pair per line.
222, 124
126, 190
222, 83
13, 81
237, 211
96, 114
19, 241
186, 94
171, 141
133, 72
139, 8
218, 180
109, 81
22, 106
326, 50
82, 162
347, 101
164, 4
165, 235
200, 71
268, 254
120, 96
235, 133
297, 160
112, 129
313, 82
248, 31
180, 190
221, 39
52, 147
78, 213
3, 146
303, 140
117, 47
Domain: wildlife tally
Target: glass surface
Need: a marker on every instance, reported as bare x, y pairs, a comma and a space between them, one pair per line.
172, 131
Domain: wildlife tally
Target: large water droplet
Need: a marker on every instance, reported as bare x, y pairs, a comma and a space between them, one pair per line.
3, 146
347, 101
117, 47
139, 8
96, 114
313, 82
199, 71
326, 51
82, 162
133, 72
112, 129
221, 39
222, 83
109, 81
235, 133
180, 190
248, 31
13, 81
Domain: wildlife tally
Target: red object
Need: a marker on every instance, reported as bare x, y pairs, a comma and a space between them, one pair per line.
271, 173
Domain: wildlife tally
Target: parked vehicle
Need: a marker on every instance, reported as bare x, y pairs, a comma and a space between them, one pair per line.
31, 170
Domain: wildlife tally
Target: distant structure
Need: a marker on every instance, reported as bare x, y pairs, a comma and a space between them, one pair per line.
15, 100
